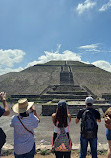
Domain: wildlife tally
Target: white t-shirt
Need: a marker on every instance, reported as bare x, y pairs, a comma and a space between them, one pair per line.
23, 140
57, 129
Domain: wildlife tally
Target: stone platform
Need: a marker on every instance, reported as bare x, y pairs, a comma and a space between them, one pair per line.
73, 106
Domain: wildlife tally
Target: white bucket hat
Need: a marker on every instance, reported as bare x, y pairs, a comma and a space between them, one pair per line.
22, 106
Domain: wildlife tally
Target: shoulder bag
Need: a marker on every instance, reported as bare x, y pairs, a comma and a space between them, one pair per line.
24, 126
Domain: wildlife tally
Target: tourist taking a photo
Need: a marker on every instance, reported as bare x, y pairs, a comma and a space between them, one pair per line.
24, 124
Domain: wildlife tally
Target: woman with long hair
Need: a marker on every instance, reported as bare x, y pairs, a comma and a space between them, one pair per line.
60, 120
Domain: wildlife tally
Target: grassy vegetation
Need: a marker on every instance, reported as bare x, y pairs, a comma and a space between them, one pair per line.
48, 152
7, 152
45, 152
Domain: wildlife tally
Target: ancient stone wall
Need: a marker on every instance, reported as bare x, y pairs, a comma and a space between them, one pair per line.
48, 110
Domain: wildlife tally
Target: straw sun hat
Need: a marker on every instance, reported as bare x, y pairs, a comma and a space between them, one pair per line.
22, 106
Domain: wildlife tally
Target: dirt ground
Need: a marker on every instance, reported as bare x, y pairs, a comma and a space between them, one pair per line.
73, 155
44, 134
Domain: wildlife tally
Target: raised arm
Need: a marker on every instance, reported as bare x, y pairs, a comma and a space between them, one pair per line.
107, 121
34, 112
6, 107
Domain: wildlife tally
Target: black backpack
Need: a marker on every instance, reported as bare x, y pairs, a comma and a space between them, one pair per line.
2, 138
89, 125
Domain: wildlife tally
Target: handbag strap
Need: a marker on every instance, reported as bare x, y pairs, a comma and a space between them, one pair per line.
25, 127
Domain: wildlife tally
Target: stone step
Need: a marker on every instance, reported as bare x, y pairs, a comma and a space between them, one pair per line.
68, 92
60, 96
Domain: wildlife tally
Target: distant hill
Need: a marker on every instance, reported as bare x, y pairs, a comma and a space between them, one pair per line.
35, 79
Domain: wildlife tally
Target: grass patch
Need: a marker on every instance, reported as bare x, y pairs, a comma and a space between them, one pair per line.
7, 152
45, 152
99, 152
102, 152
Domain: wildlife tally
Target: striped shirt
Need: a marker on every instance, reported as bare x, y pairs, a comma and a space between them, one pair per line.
23, 140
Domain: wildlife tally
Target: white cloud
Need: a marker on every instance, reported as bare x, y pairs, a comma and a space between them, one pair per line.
103, 65
82, 7
16, 56
8, 58
105, 7
91, 47
66, 55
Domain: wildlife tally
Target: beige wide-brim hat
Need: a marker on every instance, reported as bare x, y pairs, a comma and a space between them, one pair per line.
22, 106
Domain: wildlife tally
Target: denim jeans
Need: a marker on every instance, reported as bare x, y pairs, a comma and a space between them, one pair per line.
108, 134
27, 155
84, 145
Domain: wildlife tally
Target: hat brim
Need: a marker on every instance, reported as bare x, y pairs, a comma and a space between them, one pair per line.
16, 108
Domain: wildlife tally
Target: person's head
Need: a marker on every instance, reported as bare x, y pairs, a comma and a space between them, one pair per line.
108, 112
61, 114
89, 101
22, 107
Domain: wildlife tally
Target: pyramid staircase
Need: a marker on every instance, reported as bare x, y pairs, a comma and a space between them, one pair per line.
67, 89
67, 92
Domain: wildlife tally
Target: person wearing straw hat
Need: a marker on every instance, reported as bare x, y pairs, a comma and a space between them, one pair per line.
24, 124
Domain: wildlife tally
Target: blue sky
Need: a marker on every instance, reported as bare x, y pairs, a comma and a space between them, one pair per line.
37, 31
